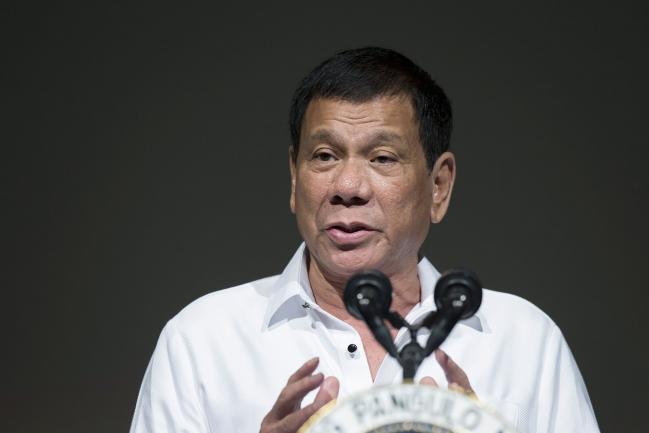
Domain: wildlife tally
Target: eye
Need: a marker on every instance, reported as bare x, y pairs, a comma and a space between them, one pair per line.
383, 159
323, 157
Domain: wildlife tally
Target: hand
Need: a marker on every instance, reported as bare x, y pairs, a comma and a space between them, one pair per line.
455, 376
286, 415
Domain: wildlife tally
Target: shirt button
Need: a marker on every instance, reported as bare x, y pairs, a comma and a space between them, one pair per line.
352, 348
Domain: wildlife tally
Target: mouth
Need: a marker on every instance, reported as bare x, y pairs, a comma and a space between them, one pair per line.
349, 233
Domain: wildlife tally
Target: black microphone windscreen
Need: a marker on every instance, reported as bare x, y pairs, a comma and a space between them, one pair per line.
368, 289
459, 288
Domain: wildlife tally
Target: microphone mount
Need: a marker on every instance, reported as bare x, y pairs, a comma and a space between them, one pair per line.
368, 295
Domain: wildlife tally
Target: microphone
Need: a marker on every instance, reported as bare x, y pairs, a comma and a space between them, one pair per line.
458, 295
368, 296
460, 291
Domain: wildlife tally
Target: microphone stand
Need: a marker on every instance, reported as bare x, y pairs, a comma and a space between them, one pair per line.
440, 323
368, 295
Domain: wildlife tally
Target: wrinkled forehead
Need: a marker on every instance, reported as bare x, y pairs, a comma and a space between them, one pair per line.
384, 119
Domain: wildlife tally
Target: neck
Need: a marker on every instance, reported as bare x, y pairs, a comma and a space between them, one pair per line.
328, 289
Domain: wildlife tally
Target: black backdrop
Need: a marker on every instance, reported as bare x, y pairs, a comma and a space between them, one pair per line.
144, 163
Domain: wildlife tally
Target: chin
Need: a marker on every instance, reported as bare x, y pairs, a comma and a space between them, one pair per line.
348, 262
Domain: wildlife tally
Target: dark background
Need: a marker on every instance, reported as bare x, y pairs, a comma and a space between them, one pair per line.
144, 164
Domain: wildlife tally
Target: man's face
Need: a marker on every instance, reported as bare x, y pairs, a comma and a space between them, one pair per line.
361, 190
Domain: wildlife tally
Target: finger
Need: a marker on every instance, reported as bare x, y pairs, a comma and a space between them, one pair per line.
290, 397
429, 381
454, 374
306, 369
459, 389
292, 422
327, 392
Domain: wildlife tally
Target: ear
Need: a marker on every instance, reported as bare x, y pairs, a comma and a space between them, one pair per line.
443, 178
291, 164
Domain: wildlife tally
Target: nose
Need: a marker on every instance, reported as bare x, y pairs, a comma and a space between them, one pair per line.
350, 186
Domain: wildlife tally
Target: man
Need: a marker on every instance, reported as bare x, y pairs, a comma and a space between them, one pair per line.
370, 171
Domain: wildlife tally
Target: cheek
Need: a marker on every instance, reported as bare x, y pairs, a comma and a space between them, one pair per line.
309, 196
408, 207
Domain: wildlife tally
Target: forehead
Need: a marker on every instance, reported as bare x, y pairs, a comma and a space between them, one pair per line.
389, 114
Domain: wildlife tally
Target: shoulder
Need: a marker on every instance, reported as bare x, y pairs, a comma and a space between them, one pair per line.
224, 308
505, 312
526, 337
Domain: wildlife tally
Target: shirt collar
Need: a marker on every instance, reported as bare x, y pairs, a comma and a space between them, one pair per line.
293, 290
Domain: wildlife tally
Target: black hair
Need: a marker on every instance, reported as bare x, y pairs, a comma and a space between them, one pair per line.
362, 74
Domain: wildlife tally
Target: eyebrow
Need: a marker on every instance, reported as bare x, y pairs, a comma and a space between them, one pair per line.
381, 136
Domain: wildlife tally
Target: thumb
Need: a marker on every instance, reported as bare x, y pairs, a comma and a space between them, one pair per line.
427, 380
328, 391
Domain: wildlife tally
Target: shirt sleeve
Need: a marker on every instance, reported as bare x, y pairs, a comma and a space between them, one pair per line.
169, 399
563, 403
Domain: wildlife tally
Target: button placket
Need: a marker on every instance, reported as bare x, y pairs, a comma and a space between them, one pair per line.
339, 335
353, 362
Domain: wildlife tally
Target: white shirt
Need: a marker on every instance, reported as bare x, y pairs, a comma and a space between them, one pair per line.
221, 362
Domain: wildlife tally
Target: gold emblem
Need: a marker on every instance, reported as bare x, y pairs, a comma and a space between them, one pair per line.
406, 408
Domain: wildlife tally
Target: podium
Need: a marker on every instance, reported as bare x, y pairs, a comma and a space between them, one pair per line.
406, 408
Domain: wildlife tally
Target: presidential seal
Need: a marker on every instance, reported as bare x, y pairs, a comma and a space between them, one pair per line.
407, 408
